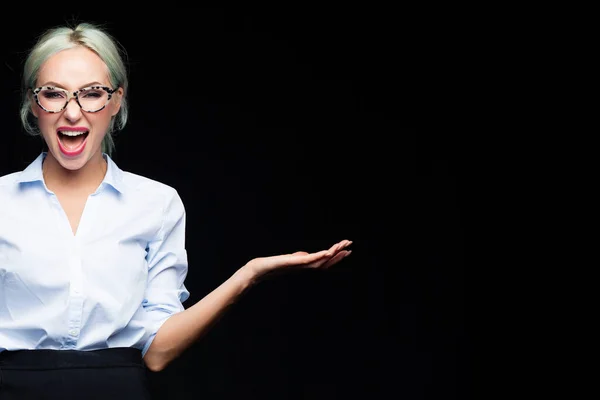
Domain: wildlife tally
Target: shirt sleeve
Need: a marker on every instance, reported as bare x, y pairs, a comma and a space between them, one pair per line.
167, 269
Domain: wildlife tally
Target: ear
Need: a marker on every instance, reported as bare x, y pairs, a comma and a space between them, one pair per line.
117, 96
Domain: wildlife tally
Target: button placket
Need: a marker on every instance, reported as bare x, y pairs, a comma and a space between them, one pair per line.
75, 309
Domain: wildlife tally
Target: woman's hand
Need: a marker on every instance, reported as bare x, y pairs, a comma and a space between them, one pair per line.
184, 328
300, 259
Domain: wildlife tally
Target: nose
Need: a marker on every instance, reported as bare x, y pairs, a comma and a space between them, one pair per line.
72, 111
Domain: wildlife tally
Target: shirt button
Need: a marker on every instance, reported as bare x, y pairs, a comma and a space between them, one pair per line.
74, 332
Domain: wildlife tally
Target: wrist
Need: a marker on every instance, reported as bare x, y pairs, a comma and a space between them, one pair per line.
246, 276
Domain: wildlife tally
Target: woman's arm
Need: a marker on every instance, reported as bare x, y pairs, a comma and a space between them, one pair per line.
181, 330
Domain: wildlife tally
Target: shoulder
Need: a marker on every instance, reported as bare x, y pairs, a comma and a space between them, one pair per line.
151, 189
9, 179
9, 183
11, 196
145, 185
142, 190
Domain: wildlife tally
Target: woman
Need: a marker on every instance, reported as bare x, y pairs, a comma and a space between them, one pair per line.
92, 258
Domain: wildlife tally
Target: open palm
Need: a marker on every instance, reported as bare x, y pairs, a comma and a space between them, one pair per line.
301, 259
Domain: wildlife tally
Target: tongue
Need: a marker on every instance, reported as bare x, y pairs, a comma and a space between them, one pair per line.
72, 142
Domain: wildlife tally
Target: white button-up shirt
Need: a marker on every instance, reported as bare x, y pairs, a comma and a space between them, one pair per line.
112, 284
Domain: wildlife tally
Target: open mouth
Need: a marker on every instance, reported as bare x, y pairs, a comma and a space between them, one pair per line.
72, 142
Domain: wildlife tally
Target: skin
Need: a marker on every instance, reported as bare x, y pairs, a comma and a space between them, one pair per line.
73, 179
71, 70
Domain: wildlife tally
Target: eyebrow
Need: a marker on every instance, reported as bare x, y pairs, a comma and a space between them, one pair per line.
84, 86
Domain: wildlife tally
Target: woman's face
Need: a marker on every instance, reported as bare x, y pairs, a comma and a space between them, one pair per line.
74, 136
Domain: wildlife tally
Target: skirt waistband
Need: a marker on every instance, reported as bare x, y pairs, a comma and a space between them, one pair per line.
57, 359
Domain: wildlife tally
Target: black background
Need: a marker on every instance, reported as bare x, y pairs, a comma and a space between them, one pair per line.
288, 129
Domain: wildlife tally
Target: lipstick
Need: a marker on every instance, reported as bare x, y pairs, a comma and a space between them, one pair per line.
65, 132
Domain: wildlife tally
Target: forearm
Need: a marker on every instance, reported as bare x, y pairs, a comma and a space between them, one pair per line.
181, 330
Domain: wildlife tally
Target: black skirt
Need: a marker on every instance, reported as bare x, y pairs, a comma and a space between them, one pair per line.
110, 374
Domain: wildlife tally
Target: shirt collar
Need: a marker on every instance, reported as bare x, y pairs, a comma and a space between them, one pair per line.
33, 172
113, 177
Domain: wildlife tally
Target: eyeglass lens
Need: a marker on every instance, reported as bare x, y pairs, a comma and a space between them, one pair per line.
89, 99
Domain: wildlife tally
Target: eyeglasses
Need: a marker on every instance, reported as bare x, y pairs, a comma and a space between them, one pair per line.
90, 99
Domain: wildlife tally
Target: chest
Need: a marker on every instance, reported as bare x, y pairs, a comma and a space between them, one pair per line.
73, 205
105, 253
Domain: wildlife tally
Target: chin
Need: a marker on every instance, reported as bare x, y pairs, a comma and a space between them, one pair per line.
71, 163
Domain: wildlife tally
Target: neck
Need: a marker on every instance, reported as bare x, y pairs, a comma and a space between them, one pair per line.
85, 179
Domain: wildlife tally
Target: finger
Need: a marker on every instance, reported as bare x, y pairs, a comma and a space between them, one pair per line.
345, 244
337, 258
340, 245
333, 249
303, 258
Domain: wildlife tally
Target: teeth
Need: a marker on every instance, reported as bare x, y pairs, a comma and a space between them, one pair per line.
72, 133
